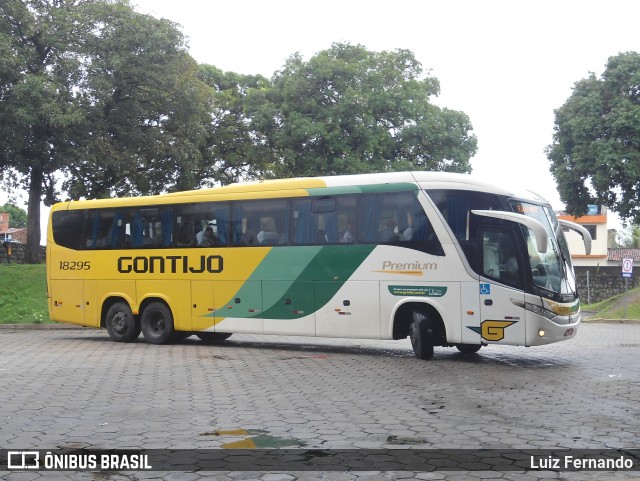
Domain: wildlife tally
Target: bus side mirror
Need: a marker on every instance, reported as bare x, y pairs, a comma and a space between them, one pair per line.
586, 236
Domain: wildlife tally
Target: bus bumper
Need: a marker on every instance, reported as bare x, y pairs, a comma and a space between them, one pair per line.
545, 331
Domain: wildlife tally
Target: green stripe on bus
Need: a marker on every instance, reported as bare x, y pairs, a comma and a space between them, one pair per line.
280, 268
318, 282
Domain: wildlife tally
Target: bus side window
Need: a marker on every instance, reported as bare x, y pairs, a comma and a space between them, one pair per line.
185, 232
67, 228
104, 229
242, 228
323, 220
260, 222
145, 228
397, 218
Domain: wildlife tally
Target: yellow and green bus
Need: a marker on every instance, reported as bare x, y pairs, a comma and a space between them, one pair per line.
441, 258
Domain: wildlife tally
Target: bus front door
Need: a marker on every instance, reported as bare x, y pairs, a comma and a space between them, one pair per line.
502, 314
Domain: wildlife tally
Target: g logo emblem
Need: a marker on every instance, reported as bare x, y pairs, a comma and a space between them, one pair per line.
494, 330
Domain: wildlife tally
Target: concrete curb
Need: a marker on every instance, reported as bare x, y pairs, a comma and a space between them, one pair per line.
612, 321
38, 327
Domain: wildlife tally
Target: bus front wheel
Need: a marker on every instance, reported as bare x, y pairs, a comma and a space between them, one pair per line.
121, 324
157, 323
421, 335
468, 348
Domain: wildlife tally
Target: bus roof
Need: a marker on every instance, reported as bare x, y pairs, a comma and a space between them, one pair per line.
300, 187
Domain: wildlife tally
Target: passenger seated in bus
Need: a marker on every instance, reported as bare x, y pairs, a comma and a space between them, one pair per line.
209, 239
200, 235
268, 238
104, 237
186, 236
491, 265
247, 238
149, 241
509, 266
349, 234
388, 234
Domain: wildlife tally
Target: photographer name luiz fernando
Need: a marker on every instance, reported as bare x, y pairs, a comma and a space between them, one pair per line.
572, 462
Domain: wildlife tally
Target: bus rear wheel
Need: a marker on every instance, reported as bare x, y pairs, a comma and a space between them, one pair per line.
121, 324
212, 337
157, 323
421, 335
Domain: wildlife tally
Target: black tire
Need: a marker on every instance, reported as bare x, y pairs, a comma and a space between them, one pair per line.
157, 323
421, 334
213, 337
121, 324
468, 348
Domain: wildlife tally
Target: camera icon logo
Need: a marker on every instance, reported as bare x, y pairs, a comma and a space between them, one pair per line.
23, 460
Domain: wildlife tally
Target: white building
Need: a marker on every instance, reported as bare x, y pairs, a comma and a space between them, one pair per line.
595, 221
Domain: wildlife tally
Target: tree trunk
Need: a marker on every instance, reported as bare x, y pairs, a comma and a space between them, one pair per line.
32, 250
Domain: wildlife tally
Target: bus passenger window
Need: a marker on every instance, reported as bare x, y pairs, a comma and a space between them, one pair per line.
323, 220
104, 229
264, 222
67, 228
397, 218
212, 225
186, 236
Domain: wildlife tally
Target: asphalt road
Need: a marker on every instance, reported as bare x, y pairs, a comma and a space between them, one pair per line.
75, 389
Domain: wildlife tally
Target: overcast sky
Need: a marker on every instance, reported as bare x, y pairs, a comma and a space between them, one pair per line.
506, 64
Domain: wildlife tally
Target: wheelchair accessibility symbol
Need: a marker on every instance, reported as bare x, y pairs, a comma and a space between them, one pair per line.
485, 289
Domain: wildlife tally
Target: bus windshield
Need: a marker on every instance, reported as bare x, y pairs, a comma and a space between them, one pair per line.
551, 270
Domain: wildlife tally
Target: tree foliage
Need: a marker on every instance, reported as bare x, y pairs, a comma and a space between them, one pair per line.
232, 148
595, 155
629, 237
40, 55
96, 91
144, 109
17, 216
349, 110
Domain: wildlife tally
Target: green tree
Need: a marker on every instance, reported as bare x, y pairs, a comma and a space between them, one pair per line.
232, 149
37, 104
145, 110
95, 91
17, 216
350, 110
595, 154
629, 237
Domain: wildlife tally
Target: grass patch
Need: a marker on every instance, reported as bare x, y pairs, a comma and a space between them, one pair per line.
613, 308
23, 294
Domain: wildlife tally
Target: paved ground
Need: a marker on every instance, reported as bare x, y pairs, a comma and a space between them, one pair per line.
76, 389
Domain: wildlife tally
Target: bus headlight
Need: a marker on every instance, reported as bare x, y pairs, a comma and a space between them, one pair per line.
541, 333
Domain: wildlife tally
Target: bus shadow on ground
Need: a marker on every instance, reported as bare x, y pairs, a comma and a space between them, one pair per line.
517, 357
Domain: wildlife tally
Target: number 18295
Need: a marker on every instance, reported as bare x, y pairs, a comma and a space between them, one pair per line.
75, 265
